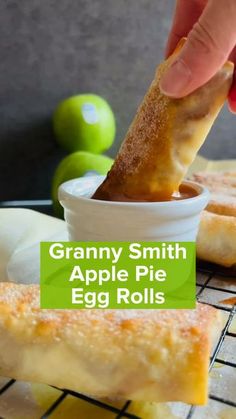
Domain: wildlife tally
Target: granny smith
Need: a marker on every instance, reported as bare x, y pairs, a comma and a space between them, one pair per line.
76, 165
84, 122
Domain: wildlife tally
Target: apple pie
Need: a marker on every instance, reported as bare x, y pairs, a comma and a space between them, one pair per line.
164, 138
149, 355
216, 241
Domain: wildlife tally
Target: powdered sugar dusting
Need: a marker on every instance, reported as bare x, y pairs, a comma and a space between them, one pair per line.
24, 300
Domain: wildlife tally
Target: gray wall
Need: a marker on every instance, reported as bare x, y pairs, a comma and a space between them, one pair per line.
55, 48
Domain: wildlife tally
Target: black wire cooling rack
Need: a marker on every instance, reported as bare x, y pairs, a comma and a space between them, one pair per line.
209, 272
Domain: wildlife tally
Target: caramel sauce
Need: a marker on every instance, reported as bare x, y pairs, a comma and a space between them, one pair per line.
230, 301
185, 192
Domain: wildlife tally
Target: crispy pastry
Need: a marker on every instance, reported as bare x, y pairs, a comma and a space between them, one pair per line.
216, 241
222, 186
157, 355
164, 138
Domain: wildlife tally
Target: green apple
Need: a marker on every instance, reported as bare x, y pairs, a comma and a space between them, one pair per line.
84, 122
77, 165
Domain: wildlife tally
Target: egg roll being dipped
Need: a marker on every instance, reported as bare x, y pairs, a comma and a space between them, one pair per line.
164, 139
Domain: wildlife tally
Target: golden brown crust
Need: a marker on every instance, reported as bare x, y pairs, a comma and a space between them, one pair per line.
222, 186
222, 206
216, 241
155, 355
163, 139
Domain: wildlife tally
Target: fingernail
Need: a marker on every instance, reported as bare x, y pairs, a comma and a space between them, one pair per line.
176, 79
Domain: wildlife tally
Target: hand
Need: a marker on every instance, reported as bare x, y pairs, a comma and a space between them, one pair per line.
211, 29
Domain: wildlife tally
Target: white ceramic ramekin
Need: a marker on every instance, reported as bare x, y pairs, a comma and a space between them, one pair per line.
93, 220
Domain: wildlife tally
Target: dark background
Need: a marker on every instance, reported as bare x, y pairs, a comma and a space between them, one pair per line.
55, 48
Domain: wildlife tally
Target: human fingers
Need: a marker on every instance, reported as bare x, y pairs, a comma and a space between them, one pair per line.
205, 51
186, 13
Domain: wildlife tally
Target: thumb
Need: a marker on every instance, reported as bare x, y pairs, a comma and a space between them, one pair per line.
207, 48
